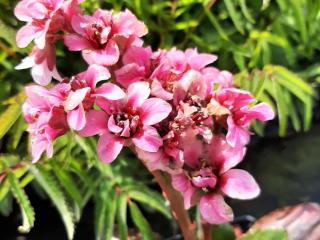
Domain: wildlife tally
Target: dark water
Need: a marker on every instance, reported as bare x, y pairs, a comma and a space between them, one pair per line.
287, 170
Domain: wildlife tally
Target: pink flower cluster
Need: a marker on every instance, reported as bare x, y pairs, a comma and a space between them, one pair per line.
178, 114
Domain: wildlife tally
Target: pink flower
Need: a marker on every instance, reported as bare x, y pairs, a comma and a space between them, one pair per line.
168, 158
83, 94
137, 66
103, 36
238, 103
42, 63
42, 17
161, 69
71, 8
128, 120
208, 176
172, 68
46, 120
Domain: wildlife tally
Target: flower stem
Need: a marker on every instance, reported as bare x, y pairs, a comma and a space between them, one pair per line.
177, 206
207, 234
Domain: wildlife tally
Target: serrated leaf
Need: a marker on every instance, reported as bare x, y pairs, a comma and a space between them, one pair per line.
122, 216
68, 183
24, 203
55, 193
140, 222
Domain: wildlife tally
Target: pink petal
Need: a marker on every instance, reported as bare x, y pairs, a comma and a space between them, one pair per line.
25, 35
40, 37
38, 146
105, 57
28, 10
148, 139
75, 98
138, 93
199, 61
181, 183
129, 73
214, 209
96, 123
191, 154
109, 147
239, 184
96, 73
126, 129
41, 74
237, 136
109, 91
153, 160
77, 118
105, 35
27, 62
112, 125
140, 56
222, 155
158, 91
261, 112
56, 4
76, 43
127, 24
79, 23
154, 110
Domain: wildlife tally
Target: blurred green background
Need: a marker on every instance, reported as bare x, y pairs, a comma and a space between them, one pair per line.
272, 47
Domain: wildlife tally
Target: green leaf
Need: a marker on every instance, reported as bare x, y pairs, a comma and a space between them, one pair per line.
266, 235
101, 199
24, 203
307, 114
234, 15
246, 11
68, 183
4, 189
222, 232
11, 114
215, 23
110, 214
55, 193
6, 205
292, 112
281, 107
150, 198
122, 216
300, 19
265, 4
8, 34
140, 222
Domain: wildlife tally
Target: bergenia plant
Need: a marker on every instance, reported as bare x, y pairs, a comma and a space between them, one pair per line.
183, 118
